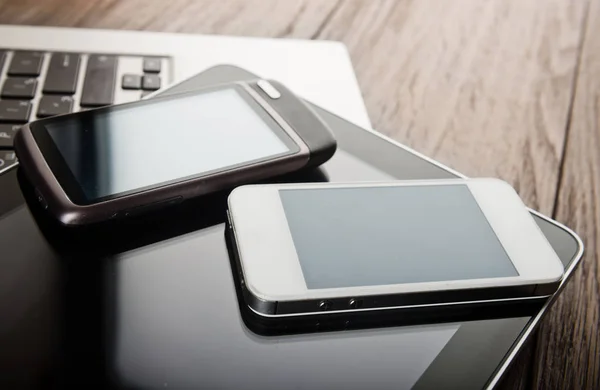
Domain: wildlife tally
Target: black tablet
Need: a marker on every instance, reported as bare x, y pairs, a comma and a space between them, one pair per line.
152, 304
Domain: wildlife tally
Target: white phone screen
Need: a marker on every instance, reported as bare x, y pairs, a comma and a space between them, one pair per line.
367, 236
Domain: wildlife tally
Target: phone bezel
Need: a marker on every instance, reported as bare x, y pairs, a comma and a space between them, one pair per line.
71, 186
272, 271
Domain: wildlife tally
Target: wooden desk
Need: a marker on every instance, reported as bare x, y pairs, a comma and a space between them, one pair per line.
505, 88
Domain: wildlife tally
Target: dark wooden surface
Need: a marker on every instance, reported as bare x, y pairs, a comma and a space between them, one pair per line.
505, 88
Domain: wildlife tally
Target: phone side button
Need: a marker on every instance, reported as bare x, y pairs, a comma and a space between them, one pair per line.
152, 206
355, 303
268, 89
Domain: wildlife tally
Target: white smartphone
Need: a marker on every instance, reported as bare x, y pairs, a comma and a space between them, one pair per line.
316, 248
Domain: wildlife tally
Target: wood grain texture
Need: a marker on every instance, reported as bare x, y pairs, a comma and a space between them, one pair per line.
462, 81
481, 86
568, 346
484, 86
265, 18
519, 375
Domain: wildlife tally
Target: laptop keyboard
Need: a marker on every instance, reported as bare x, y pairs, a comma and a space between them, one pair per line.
41, 84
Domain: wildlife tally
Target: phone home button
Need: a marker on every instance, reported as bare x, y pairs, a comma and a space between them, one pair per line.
325, 305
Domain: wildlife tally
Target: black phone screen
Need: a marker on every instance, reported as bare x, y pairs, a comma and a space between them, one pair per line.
103, 154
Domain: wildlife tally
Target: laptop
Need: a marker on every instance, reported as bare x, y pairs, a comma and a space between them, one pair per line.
46, 71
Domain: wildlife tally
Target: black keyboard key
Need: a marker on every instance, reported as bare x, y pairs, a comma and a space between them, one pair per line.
152, 65
62, 73
14, 111
26, 63
8, 158
99, 84
2, 58
51, 105
19, 88
151, 82
7, 135
131, 81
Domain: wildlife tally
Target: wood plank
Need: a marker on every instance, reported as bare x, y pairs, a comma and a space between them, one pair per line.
268, 18
481, 86
568, 345
467, 81
519, 374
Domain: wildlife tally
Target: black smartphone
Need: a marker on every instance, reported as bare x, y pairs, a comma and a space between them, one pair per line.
128, 159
